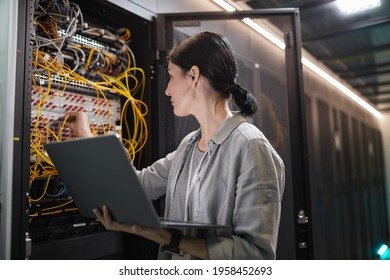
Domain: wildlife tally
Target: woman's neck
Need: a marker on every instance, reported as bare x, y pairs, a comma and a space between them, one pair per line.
210, 121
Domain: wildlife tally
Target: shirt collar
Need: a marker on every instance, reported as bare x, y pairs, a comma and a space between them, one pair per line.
229, 126
224, 131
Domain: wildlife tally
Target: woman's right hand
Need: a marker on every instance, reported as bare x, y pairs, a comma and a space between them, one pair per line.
78, 122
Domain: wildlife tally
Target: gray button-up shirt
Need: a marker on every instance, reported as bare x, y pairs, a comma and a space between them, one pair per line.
239, 183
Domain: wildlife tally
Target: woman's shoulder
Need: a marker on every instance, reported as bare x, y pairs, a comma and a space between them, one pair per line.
251, 138
248, 132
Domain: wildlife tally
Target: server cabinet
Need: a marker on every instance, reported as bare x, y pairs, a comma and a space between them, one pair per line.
68, 56
67, 236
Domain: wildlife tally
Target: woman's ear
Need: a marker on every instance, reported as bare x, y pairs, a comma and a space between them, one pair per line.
194, 73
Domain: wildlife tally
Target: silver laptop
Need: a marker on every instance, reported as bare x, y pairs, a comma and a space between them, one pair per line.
97, 171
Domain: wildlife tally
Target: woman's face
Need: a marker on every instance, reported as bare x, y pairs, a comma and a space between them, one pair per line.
180, 90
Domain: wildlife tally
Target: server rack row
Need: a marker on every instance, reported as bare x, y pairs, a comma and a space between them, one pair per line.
347, 183
349, 215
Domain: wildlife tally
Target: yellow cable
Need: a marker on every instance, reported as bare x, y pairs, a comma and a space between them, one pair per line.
44, 192
125, 84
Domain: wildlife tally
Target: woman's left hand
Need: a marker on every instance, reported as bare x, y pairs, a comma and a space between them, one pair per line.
160, 236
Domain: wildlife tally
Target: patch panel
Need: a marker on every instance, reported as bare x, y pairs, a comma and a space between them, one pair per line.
48, 106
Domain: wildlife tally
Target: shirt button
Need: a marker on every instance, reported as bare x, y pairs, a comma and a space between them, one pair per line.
268, 195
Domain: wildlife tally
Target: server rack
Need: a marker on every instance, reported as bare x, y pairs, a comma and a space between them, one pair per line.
67, 235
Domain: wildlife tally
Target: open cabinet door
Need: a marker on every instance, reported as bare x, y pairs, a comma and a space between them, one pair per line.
274, 75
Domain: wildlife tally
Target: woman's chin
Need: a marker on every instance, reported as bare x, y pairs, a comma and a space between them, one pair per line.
178, 113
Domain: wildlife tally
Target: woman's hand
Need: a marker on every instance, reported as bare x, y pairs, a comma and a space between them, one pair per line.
194, 246
78, 122
160, 236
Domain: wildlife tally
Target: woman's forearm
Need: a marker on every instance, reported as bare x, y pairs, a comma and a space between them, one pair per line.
196, 247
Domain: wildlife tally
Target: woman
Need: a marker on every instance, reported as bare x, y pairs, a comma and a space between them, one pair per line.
226, 172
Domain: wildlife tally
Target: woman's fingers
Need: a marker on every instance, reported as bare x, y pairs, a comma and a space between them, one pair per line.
107, 221
78, 122
105, 217
158, 235
99, 215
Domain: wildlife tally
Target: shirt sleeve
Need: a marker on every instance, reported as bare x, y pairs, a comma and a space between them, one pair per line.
155, 177
256, 216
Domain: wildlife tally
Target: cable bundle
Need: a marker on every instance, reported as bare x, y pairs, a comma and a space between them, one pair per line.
78, 67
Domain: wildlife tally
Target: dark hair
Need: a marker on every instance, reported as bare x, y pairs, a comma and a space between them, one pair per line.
212, 53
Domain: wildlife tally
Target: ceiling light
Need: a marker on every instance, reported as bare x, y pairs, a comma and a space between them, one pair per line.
357, 6
313, 67
265, 33
225, 5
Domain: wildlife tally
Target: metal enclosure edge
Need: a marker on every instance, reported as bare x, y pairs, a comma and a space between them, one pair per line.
298, 141
21, 129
